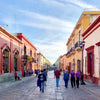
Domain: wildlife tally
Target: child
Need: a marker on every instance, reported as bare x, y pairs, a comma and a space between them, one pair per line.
16, 76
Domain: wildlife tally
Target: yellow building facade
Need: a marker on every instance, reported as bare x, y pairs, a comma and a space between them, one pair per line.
74, 53
42, 61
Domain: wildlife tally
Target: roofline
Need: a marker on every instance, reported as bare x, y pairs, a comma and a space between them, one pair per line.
9, 34
83, 13
74, 28
91, 26
23, 36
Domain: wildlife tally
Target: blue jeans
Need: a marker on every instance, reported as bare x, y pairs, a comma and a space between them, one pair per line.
57, 82
42, 86
66, 83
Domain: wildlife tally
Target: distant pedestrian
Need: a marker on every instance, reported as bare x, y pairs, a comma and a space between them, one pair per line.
45, 73
16, 76
36, 72
72, 75
66, 78
78, 75
41, 78
57, 75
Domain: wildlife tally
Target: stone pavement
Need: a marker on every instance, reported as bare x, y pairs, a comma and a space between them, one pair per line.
13, 82
28, 90
94, 89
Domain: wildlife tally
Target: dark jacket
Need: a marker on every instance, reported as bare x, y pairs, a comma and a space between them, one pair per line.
42, 77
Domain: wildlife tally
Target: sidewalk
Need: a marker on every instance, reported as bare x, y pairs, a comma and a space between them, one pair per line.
93, 88
8, 84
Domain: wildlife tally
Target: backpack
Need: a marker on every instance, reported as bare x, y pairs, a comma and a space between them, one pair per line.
66, 76
41, 77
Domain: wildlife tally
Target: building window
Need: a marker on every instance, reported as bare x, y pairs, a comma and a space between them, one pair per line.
74, 64
31, 53
69, 69
24, 50
16, 61
78, 65
35, 55
6, 61
73, 42
79, 36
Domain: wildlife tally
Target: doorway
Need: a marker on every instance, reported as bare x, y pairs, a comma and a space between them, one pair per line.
90, 60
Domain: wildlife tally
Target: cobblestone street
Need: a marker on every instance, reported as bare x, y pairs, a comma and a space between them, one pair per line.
28, 90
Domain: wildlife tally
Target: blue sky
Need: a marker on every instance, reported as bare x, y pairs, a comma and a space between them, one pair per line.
46, 23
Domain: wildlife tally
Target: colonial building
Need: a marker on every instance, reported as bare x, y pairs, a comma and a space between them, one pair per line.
57, 63
74, 54
28, 54
41, 61
91, 36
63, 62
10, 55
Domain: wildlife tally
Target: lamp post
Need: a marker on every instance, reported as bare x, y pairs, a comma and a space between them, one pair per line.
82, 44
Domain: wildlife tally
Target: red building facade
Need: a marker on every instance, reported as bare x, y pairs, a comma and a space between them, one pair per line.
10, 52
28, 54
17, 53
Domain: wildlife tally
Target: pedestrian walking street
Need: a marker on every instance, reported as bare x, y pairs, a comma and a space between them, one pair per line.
28, 90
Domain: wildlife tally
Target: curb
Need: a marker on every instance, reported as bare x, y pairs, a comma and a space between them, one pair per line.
91, 91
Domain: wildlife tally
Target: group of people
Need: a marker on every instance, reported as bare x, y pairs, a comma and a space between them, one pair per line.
74, 77
42, 79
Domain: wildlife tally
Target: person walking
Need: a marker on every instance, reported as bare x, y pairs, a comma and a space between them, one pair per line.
72, 75
78, 75
45, 73
66, 78
41, 78
57, 76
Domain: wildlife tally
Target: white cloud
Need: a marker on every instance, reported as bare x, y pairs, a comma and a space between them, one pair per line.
54, 3
81, 4
47, 22
64, 3
37, 20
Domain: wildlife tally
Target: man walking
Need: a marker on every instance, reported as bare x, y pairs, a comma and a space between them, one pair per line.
72, 78
42, 78
78, 75
66, 78
57, 75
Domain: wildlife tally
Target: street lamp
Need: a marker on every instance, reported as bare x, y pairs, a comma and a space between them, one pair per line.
82, 44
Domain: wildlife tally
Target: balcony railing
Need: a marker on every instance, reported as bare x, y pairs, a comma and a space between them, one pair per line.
77, 44
70, 51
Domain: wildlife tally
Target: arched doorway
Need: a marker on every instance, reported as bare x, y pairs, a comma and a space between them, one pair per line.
16, 61
6, 54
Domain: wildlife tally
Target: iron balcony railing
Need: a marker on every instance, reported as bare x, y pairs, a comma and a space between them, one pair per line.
70, 51
77, 44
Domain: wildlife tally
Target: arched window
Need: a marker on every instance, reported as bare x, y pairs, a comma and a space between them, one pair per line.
24, 50
6, 55
78, 65
16, 61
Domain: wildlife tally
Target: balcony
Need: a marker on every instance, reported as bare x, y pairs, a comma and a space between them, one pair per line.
77, 45
71, 51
